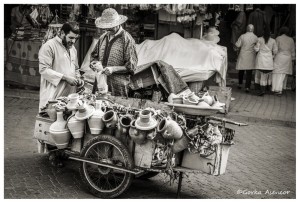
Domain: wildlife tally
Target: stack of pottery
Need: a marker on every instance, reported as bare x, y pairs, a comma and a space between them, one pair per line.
145, 121
74, 101
169, 129
95, 122
59, 132
143, 127
84, 111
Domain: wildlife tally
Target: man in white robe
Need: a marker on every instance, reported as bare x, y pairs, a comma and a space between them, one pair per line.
58, 65
246, 59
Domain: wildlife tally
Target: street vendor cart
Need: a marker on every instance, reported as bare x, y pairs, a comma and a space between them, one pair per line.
116, 143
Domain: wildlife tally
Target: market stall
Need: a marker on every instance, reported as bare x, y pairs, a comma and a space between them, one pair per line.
29, 24
21, 64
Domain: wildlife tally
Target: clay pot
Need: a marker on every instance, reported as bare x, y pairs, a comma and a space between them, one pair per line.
76, 126
207, 98
169, 129
110, 119
183, 142
59, 132
73, 101
135, 134
85, 111
51, 111
145, 120
203, 104
95, 122
123, 128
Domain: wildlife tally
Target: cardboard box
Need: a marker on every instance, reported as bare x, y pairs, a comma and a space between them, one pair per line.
143, 79
41, 130
214, 164
143, 154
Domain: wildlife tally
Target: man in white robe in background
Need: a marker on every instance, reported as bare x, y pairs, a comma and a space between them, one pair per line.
246, 59
58, 65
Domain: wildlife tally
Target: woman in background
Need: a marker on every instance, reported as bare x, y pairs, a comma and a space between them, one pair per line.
283, 61
266, 48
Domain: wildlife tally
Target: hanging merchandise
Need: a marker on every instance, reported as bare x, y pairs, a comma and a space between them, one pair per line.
45, 14
166, 18
200, 19
186, 16
53, 28
92, 12
231, 7
249, 7
144, 7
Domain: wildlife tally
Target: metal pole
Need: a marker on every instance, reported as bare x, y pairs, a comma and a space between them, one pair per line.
106, 165
179, 185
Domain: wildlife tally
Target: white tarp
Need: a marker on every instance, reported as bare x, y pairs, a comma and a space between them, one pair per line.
193, 59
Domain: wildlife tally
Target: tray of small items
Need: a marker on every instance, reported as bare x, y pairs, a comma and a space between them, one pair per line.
193, 109
191, 104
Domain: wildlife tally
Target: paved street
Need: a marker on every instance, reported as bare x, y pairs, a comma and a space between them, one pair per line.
261, 164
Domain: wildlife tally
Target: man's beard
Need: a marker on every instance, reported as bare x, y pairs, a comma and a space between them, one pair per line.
66, 44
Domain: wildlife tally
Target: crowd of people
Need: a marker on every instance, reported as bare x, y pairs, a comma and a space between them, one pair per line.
271, 59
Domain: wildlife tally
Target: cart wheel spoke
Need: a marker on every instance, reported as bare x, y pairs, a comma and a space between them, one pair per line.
103, 181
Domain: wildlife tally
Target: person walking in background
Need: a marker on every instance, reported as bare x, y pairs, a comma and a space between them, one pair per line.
283, 61
246, 58
266, 48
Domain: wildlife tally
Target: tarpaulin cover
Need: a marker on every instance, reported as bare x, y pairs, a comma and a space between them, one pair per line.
193, 59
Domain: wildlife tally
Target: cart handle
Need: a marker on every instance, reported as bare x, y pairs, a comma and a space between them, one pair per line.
227, 121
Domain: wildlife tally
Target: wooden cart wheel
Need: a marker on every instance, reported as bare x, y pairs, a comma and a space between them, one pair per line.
105, 182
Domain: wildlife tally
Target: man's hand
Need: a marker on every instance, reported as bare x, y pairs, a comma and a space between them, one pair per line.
71, 80
108, 70
80, 83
